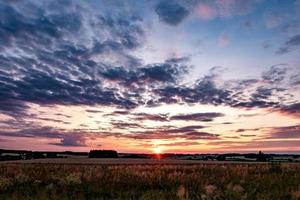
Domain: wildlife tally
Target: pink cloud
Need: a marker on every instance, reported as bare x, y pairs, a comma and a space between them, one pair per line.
272, 21
223, 40
205, 11
209, 10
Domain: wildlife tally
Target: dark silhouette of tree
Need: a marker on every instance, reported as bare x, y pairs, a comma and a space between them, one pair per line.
261, 157
103, 154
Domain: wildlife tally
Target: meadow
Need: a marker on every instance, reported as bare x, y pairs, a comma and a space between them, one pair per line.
156, 180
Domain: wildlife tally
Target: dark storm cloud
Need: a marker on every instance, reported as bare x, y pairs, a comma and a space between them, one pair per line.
205, 117
291, 44
171, 12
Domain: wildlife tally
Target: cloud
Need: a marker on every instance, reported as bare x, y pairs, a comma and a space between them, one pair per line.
181, 144
223, 40
81, 137
171, 12
168, 72
154, 117
266, 45
64, 45
72, 140
284, 132
243, 130
208, 10
273, 20
293, 109
291, 44
275, 74
12, 107
72, 54
125, 125
187, 133
205, 117
93, 111
254, 146
205, 11
66, 138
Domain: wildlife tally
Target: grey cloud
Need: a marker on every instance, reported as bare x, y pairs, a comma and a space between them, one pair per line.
56, 51
72, 140
284, 132
66, 138
182, 144
205, 117
275, 74
171, 12
254, 145
125, 125
291, 44
154, 117
292, 109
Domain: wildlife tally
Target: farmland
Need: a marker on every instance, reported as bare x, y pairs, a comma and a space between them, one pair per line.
83, 178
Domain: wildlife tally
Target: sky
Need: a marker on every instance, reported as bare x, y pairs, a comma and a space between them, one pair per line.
197, 76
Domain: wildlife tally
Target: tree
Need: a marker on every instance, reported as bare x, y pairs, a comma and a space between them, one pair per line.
103, 154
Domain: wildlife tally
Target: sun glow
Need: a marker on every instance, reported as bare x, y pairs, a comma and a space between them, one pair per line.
157, 150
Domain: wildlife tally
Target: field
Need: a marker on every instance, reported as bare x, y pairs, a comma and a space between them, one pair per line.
83, 178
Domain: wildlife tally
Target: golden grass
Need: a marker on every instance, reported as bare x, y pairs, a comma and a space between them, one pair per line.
150, 181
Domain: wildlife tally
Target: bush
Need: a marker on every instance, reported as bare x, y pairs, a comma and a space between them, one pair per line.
103, 154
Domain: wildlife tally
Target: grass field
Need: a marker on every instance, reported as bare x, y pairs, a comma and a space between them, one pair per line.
147, 179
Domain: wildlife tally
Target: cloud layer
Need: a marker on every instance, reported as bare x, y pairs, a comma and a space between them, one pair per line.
70, 53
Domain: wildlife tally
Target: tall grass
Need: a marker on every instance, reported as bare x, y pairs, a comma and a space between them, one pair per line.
201, 181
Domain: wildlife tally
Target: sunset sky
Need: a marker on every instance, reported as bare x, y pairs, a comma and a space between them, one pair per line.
192, 76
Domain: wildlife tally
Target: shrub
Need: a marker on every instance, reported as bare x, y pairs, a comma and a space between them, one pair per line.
103, 154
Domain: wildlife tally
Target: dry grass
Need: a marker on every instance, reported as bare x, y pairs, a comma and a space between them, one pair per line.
150, 181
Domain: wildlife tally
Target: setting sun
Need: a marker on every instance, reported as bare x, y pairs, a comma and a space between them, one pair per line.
157, 150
